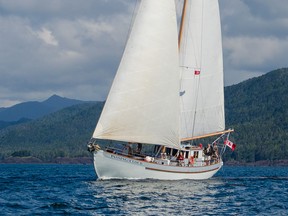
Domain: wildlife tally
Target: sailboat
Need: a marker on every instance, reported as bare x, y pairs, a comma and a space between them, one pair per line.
167, 96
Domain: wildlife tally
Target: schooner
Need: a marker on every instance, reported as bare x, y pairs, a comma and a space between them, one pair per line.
168, 93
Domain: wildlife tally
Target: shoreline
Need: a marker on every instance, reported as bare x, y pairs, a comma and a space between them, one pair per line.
59, 160
89, 160
274, 163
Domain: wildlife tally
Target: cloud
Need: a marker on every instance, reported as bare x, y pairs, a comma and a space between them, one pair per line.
267, 9
70, 48
247, 57
73, 48
255, 52
254, 37
47, 36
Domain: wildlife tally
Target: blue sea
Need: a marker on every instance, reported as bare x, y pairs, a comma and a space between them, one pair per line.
74, 190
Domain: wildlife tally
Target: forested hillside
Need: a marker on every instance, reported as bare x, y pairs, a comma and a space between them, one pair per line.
62, 134
258, 111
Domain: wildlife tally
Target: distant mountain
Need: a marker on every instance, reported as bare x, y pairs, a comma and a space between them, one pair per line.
61, 134
35, 109
4, 124
56, 102
257, 109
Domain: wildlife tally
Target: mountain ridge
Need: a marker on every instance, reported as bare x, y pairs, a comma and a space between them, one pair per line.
257, 109
34, 109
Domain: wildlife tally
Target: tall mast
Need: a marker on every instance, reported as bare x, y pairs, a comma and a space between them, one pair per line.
182, 23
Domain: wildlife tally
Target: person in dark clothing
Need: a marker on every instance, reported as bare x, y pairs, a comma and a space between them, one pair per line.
139, 148
208, 151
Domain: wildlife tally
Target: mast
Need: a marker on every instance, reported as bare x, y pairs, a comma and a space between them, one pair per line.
182, 22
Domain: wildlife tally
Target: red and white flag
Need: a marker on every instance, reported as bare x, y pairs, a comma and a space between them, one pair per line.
230, 144
197, 72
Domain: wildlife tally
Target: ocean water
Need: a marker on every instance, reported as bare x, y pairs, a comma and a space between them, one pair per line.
74, 190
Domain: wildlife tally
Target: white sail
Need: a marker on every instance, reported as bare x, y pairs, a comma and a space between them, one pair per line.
143, 103
201, 62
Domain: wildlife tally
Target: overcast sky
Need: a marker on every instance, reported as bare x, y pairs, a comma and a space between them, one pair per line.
73, 47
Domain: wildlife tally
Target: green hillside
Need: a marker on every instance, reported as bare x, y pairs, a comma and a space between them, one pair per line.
62, 134
257, 109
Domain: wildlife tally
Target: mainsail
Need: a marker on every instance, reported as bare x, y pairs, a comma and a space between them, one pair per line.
200, 45
143, 103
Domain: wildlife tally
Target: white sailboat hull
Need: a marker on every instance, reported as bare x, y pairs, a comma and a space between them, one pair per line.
108, 165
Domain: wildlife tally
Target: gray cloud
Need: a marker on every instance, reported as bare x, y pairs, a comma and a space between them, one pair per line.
73, 48
254, 37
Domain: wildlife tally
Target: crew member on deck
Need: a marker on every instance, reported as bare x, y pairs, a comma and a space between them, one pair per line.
180, 159
163, 153
139, 148
215, 151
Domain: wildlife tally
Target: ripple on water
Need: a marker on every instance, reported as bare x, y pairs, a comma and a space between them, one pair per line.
73, 190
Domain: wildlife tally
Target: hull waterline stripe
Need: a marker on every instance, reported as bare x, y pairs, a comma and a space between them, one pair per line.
170, 171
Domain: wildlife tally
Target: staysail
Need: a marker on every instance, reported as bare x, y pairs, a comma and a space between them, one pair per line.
201, 62
143, 102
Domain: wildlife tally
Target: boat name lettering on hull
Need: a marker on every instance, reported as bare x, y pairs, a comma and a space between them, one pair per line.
126, 159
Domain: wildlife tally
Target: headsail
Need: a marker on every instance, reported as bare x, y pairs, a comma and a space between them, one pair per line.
143, 103
201, 62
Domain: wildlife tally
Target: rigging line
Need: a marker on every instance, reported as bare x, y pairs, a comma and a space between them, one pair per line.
189, 33
180, 42
182, 23
196, 102
225, 146
202, 33
200, 66
222, 147
179, 8
185, 30
135, 9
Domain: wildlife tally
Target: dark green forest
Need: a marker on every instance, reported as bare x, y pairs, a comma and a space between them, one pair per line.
62, 134
257, 109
